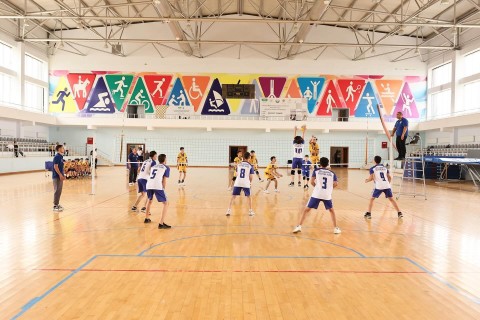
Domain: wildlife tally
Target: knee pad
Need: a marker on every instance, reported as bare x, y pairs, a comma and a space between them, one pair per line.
308, 179
256, 171
299, 171
292, 172
304, 177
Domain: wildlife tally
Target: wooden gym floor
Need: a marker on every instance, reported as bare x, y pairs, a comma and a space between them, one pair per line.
97, 260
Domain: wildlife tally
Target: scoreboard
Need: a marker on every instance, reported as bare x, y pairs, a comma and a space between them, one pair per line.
238, 91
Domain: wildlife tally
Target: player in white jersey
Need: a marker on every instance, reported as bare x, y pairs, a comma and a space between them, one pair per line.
298, 152
142, 180
382, 178
323, 181
156, 186
243, 182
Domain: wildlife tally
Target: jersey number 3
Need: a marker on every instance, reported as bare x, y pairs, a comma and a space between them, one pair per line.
324, 185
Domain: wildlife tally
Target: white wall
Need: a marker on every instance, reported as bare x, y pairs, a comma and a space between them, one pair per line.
23, 129
211, 148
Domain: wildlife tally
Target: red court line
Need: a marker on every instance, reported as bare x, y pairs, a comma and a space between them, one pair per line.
238, 271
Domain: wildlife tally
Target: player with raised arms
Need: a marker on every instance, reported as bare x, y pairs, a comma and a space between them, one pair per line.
298, 151
382, 178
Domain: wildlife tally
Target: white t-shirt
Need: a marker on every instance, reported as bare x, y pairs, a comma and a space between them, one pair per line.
298, 150
323, 184
139, 152
157, 172
244, 170
380, 174
145, 169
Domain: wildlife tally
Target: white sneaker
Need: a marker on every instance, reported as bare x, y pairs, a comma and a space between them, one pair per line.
276, 190
266, 191
297, 229
229, 189
228, 212
251, 213
262, 180
130, 184
337, 230
60, 208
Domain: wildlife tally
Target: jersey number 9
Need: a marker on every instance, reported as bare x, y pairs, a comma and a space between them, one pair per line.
382, 176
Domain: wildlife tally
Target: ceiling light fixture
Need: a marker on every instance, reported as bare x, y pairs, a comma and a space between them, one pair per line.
444, 2
327, 2
301, 40
157, 2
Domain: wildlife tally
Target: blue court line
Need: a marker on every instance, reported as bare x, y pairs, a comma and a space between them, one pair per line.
247, 233
36, 300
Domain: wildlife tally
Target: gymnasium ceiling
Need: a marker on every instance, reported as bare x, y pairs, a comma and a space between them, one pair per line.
431, 25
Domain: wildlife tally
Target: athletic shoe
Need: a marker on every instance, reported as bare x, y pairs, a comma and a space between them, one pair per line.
266, 191
60, 208
251, 213
261, 180
337, 230
367, 215
163, 226
292, 184
147, 220
299, 184
297, 229
144, 209
55, 208
400, 215
305, 186
229, 189
276, 190
130, 184
134, 208
228, 212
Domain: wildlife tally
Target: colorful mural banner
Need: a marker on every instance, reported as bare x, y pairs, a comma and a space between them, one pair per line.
202, 93
81, 84
119, 85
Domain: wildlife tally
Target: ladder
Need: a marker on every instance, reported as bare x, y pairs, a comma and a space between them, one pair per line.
412, 169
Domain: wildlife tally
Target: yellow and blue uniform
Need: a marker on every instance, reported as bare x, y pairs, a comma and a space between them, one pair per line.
314, 150
269, 171
182, 162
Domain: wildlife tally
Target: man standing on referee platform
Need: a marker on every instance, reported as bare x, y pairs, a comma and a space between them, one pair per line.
58, 176
401, 132
132, 165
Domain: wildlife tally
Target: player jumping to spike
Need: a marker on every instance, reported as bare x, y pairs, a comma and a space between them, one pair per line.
298, 151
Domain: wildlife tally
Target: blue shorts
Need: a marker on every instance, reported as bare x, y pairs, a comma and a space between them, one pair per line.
297, 163
306, 174
159, 194
237, 190
377, 192
314, 202
142, 185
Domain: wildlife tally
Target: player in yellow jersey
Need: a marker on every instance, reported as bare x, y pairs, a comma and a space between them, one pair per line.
236, 162
314, 151
271, 174
254, 162
182, 163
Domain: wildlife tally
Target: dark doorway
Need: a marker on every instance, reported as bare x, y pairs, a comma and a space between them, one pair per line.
130, 146
233, 152
339, 157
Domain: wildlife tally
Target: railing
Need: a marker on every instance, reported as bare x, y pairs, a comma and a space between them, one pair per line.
31, 148
12, 105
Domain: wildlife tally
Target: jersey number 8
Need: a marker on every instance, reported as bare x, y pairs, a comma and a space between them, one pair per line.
242, 173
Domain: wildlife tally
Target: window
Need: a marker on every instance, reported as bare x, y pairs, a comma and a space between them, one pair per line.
35, 68
6, 55
472, 63
471, 96
34, 96
440, 104
8, 88
442, 75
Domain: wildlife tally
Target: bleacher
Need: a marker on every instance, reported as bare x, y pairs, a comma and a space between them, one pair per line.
447, 150
29, 146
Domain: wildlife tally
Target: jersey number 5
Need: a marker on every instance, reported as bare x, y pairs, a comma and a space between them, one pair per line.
154, 173
242, 173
